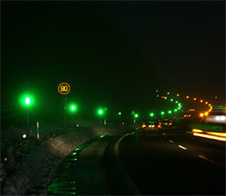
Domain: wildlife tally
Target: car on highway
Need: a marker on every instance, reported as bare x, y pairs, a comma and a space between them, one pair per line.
166, 123
217, 116
151, 125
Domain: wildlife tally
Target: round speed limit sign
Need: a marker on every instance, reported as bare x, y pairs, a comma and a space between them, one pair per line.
64, 88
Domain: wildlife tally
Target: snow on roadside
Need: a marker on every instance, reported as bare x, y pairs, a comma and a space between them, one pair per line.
32, 163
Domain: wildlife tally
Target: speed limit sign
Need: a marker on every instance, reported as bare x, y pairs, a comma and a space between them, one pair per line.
64, 88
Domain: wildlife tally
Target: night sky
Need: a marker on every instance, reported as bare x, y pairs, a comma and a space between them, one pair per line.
112, 53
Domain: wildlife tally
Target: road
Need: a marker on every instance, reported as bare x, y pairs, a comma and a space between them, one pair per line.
146, 163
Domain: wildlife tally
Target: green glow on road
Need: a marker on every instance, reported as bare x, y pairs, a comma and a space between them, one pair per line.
102, 136
79, 148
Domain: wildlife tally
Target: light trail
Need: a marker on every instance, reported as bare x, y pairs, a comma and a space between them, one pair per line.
182, 147
202, 157
210, 137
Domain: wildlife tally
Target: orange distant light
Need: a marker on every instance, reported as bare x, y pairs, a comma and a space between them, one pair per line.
187, 97
201, 101
143, 126
178, 95
206, 102
195, 99
201, 114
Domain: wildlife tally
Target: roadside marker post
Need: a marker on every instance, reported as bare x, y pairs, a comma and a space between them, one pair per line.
37, 130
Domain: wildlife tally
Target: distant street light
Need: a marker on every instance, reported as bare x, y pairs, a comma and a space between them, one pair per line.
178, 95
151, 114
135, 116
27, 100
101, 113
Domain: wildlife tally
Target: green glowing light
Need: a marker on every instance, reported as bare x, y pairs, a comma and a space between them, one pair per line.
176, 101
136, 115
162, 113
171, 99
169, 112
27, 100
79, 148
100, 112
151, 114
120, 113
165, 98
175, 110
102, 136
73, 107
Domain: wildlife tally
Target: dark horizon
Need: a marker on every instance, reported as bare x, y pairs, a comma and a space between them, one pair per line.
114, 54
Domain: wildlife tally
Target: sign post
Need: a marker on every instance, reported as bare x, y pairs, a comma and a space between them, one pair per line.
64, 88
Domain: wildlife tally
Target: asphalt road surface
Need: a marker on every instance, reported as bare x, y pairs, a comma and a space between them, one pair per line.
146, 163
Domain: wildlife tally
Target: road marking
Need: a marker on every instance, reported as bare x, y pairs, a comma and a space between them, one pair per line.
182, 147
171, 141
132, 187
202, 157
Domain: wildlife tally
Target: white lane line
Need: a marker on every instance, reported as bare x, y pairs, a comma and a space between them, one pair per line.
182, 147
171, 141
202, 157
132, 187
